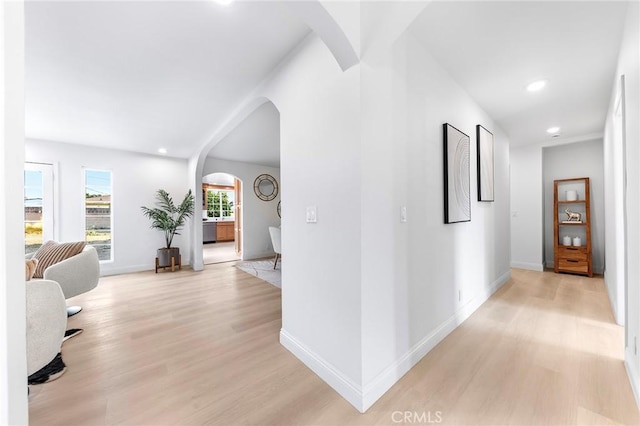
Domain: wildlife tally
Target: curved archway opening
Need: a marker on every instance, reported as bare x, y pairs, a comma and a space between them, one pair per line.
221, 218
251, 149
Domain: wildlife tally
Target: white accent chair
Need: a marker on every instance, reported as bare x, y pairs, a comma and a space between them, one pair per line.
46, 322
276, 239
75, 275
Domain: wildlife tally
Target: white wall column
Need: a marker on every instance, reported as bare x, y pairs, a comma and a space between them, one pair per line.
629, 66
13, 362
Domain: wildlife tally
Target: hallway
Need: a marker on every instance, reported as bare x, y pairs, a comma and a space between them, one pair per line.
543, 350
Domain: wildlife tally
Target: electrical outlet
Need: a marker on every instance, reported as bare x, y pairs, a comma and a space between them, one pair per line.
459, 295
403, 214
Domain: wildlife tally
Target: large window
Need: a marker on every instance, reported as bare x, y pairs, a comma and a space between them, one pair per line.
220, 203
98, 211
38, 205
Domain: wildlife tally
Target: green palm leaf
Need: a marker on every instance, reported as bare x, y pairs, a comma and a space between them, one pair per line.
168, 217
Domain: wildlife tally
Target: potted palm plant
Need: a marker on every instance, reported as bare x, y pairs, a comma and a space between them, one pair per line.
169, 218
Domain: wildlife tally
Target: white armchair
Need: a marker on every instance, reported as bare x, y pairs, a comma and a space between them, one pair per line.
75, 275
276, 239
46, 322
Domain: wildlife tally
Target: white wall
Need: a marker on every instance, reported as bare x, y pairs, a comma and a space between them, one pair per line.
582, 159
526, 208
258, 215
319, 108
364, 296
629, 66
421, 278
615, 217
136, 179
13, 362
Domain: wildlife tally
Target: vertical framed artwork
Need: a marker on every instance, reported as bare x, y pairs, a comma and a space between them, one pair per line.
484, 142
457, 201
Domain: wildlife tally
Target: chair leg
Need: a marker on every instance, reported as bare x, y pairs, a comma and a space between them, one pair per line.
72, 310
275, 262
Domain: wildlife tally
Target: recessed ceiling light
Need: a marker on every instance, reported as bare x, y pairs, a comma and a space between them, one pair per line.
553, 130
162, 150
536, 85
224, 2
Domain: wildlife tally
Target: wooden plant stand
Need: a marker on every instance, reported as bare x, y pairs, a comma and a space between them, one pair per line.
173, 264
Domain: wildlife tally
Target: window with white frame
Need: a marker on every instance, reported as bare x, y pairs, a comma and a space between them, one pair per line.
38, 205
220, 203
98, 209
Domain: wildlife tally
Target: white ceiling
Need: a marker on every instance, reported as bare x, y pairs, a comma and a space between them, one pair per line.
143, 75
255, 140
494, 49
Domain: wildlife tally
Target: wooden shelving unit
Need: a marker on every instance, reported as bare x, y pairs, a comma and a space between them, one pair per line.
569, 258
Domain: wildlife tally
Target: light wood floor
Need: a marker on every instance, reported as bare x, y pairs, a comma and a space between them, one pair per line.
202, 348
219, 252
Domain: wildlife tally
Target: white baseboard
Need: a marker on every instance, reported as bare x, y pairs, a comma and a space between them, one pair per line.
387, 378
529, 266
106, 271
198, 266
614, 306
109, 268
361, 398
632, 373
327, 372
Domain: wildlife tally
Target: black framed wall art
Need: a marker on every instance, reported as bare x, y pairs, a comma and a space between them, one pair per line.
457, 201
484, 140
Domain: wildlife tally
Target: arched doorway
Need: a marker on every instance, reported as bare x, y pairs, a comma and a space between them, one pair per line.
221, 218
250, 150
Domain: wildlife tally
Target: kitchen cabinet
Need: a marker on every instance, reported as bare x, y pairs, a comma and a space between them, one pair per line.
225, 231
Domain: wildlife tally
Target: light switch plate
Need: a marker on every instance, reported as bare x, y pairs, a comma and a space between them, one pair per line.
403, 214
312, 216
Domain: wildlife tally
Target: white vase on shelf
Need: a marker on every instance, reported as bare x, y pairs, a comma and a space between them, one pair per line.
577, 242
571, 195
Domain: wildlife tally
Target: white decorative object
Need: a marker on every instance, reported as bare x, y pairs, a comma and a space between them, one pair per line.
577, 242
573, 216
572, 195
566, 241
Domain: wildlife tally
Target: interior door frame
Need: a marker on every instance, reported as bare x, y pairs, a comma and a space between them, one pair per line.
237, 227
